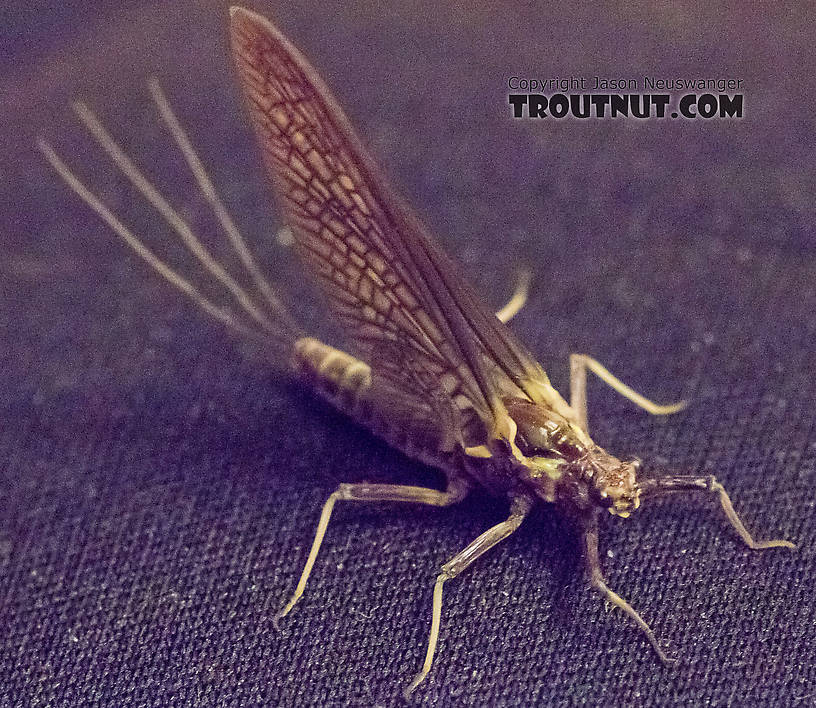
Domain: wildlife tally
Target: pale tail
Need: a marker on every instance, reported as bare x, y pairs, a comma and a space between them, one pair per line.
257, 312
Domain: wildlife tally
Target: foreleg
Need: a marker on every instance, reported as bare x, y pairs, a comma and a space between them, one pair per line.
518, 300
689, 483
596, 579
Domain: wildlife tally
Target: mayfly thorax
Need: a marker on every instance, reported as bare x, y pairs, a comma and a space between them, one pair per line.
434, 371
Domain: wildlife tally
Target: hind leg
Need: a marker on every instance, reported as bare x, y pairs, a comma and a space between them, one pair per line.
456, 490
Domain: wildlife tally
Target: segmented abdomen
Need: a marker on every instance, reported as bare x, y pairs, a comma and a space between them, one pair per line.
335, 375
346, 382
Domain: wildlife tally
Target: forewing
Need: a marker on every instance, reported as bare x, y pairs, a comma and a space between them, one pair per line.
407, 309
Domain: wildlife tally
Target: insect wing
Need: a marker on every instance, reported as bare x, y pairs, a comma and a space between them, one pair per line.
409, 312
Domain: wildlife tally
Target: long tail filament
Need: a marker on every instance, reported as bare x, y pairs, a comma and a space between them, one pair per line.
269, 319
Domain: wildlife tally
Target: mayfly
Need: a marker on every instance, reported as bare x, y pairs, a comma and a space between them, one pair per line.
434, 371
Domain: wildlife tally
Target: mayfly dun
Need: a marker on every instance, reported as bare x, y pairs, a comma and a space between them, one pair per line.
434, 371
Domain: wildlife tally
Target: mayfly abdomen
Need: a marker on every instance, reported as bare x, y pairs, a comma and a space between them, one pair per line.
346, 383
334, 374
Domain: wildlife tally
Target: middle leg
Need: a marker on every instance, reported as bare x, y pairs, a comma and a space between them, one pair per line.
519, 509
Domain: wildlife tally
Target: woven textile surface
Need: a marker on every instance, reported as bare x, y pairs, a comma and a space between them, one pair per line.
160, 482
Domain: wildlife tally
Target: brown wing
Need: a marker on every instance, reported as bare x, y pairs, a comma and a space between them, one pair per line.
399, 295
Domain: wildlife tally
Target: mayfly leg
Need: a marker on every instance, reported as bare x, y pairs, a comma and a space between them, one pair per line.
519, 509
581, 363
517, 300
456, 490
596, 579
690, 483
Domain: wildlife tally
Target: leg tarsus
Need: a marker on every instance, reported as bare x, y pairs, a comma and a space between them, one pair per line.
456, 490
736, 522
322, 525
433, 636
518, 299
600, 585
519, 509
690, 483
596, 579
580, 363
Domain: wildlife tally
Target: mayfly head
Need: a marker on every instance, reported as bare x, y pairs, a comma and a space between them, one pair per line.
598, 479
614, 482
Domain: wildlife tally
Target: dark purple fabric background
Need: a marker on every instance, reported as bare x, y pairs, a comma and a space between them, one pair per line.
160, 484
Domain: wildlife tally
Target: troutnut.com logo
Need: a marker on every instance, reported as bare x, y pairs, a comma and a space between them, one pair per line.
578, 97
